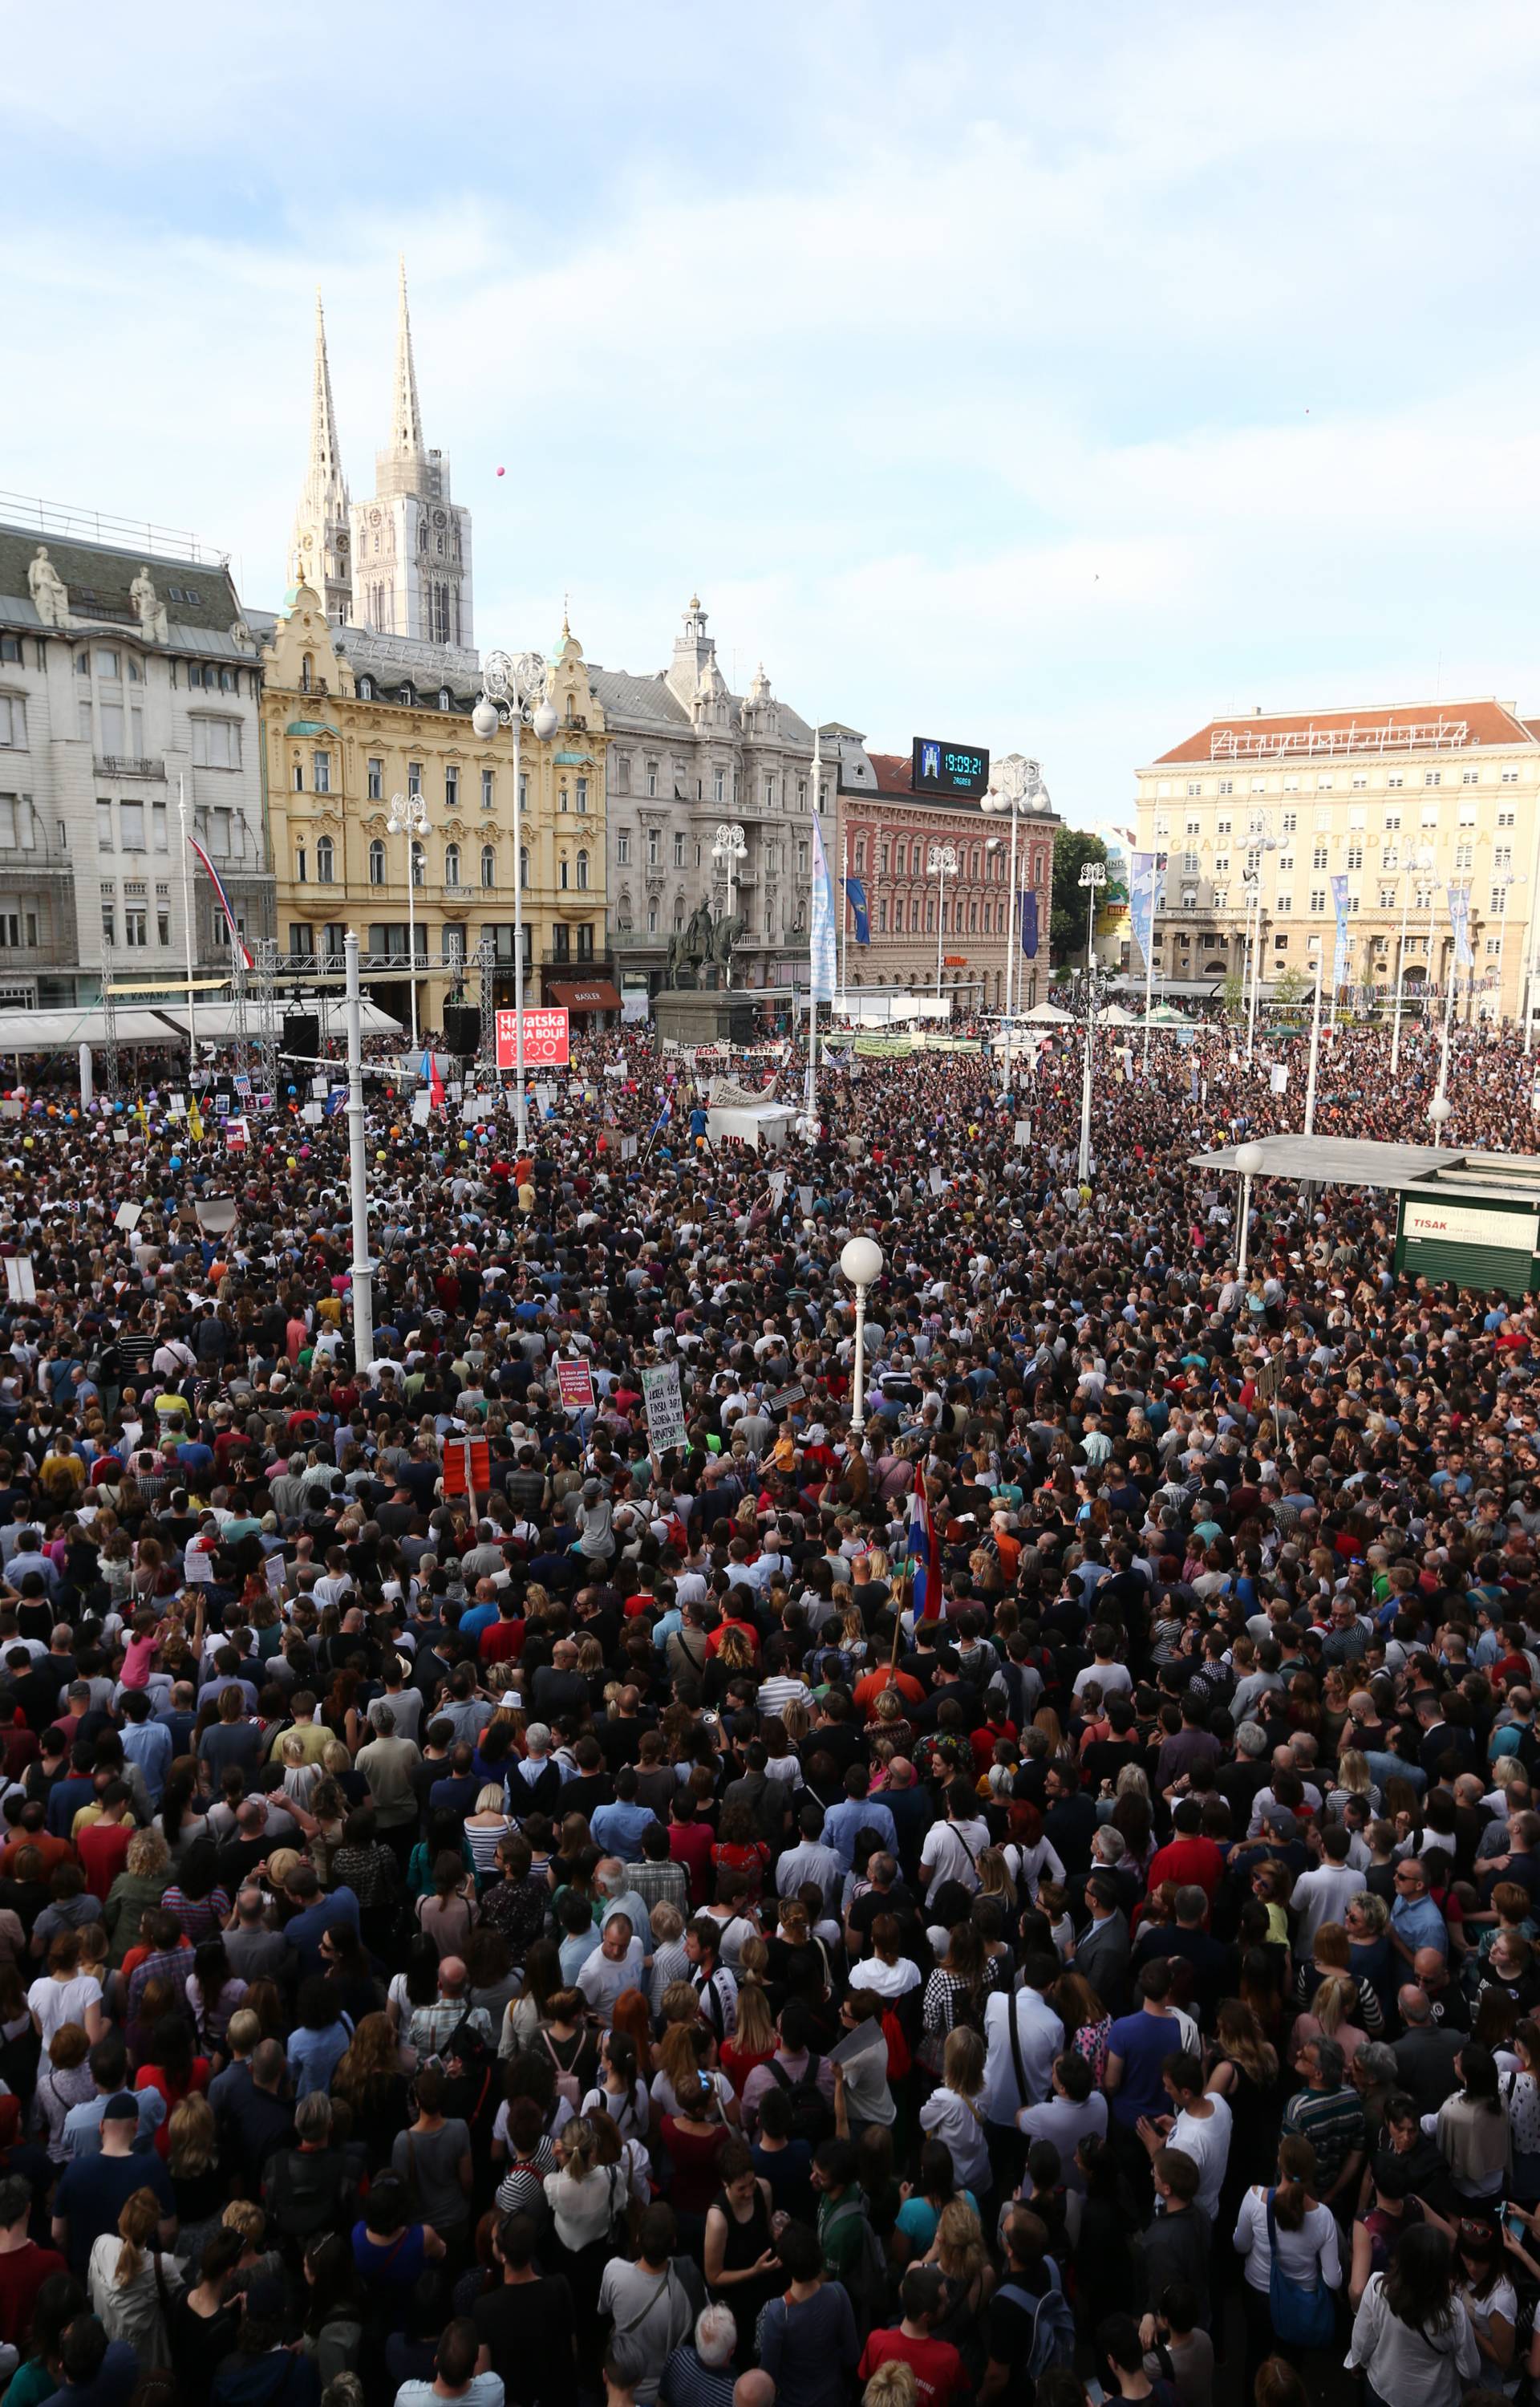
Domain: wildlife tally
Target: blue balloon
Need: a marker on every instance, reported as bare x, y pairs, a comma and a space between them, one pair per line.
176, 1161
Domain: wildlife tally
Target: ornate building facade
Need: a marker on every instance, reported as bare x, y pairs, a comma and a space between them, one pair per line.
352, 719
686, 755
932, 933
128, 682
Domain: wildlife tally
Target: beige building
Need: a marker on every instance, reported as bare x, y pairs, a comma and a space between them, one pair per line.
1402, 801
351, 721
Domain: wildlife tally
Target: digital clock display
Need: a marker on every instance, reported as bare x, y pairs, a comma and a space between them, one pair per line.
948, 768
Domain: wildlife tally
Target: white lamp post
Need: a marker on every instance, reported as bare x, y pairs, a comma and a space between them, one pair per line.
1258, 841
861, 1263
1093, 879
730, 847
1421, 861
515, 690
361, 1268
1248, 1161
941, 861
408, 817
1502, 882
1315, 1045
1015, 785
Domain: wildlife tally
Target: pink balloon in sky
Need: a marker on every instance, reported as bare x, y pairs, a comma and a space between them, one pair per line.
500, 471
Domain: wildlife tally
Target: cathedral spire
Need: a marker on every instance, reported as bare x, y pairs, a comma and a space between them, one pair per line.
406, 420
320, 546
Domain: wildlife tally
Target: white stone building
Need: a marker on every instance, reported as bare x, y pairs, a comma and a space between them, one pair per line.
127, 677
686, 756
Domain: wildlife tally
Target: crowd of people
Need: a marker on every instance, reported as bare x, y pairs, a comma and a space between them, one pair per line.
1016, 1879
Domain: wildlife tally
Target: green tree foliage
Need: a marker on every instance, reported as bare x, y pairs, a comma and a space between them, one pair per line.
1072, 848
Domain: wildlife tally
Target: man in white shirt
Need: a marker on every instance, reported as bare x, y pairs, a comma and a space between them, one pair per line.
1019, 2072
953, 1847
1321, 1894
616, 1964
1200, 2127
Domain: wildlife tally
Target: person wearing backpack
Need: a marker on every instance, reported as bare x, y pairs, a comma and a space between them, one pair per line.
653, 2302
804, 2079
853, 2255
806, 2340
1028, 2327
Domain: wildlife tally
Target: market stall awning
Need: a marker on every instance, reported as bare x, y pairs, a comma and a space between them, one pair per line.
597, 995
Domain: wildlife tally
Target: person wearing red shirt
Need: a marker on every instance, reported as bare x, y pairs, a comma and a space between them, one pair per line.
940, 2374
503, 1640
24, 2267
690, 1845
103, 1845
1189, 1858
867, 1691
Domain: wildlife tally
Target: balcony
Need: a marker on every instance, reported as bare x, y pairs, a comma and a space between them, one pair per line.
589, 963
129, 764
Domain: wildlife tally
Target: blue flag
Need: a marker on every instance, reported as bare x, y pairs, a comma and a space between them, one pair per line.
855, 895
1342, 950
1029, 924
821, 962
1143, 894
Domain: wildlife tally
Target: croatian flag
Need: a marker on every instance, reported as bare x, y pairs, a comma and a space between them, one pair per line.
924, 1542
435, 1084
225, 904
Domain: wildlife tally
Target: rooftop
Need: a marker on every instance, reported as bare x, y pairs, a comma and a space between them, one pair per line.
1361, 1161
1376, 728
198, 594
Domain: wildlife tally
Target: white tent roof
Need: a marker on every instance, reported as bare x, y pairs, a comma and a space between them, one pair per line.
1047, 1015
54, 1032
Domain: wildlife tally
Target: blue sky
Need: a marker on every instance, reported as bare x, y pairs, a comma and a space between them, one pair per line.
1044, 377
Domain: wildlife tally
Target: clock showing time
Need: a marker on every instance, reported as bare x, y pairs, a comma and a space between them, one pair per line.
940, 768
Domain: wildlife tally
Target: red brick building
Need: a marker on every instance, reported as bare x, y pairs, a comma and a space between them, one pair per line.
885, 834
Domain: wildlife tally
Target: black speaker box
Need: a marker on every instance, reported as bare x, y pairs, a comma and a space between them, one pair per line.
302, 1033
461, 1028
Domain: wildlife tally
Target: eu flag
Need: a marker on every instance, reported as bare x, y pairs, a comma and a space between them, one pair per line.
1029, 925
856, 894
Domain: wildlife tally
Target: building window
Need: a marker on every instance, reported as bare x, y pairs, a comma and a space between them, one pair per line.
1510, 776
325, 861
136, 926
930, 919
419, 864
302, 871
376, 788
621, 763
1433, 777
719, 785
451, 864
376, 863
321, 764
488, 790
1396, 777
652, 776
678, 849
451, 788
104, 827
562, 873
1464, 856
651, 918
802, 857
366, 689
13, 723
109, 923
623, 848
1355, 856
882, 919
561, 939
488, 864
131, 816
216, 745
652, 854
524, 864
1319, 857
561, 799
1285, 903
299, 776
583, 793
1317, 898
302, 941
586, 940
413, 777
1499, 902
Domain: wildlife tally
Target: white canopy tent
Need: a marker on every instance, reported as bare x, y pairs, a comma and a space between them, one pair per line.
755, 1124
60, 1032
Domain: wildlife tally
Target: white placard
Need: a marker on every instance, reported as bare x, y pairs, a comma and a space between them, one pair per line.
21, 1286
1465, 1224
421, 1106
804, 1197
665, 1406
628, 1149
1278, 1079
127, 1216
1022, 1133
312, 1114
937, 1182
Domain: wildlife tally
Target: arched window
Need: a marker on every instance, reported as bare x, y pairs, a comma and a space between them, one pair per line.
562, 873
366, 689
408, 697
651, 918
325, 861
524, 864
976, 861
930, 919
299, 776
444, 697
898, 917
376, 863
488, 864
582, 873
860, 854
451, 864
973, 919
419, 864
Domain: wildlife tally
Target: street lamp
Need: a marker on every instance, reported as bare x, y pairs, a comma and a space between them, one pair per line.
1441, 1109
408, 817
1093, 879
730, 847
1258, 841
1248, 1161
1421, 863
1501, 884
941, 861
861, 1263
1015, 785
515, 690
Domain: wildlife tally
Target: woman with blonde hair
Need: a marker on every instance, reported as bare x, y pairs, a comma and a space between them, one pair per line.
752, 2042
1332, 2014
952, 2113
1332, 1961
486, 1826
197, 2176
995, 1879
129, 2280
958, 2249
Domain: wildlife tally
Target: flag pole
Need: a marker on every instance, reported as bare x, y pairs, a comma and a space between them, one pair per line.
186, 929
844, 918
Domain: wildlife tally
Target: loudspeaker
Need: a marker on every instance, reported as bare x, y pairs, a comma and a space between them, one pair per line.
302, 1033
461, 1028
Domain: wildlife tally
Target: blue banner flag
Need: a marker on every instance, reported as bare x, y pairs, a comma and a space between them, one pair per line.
1339, 956
855, 895
822, 964
1143, 896
1029, 924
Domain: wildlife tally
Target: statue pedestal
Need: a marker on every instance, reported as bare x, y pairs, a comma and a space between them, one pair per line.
705, 1017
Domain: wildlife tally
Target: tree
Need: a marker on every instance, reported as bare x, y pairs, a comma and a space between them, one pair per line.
1232, 995
1290, 988
1072, 848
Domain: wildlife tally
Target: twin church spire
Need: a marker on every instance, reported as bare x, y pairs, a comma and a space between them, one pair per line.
400, 563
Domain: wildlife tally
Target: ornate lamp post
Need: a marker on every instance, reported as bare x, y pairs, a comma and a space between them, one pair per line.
515, 690
730, 847
1015, 785
861, 1262
941, 861
408, 817
1093, 877
1248, 1161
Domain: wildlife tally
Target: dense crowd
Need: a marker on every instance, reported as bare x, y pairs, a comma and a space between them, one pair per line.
1030, 1890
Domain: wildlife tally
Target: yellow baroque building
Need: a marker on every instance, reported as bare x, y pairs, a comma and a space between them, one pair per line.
357, 728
